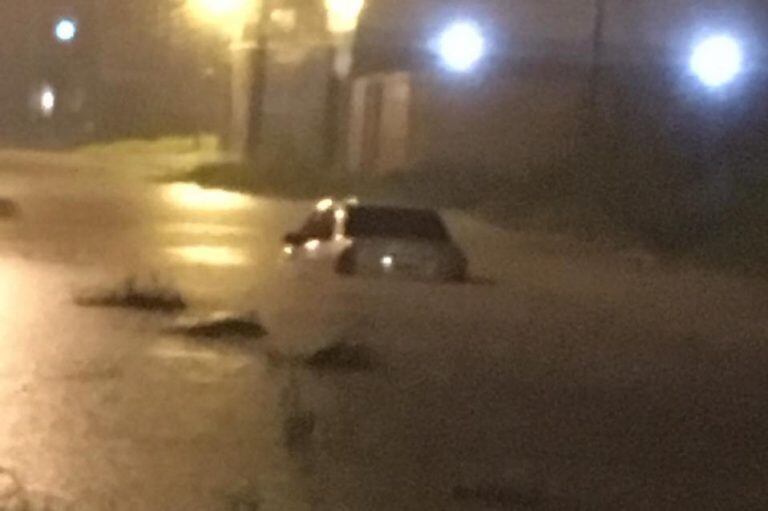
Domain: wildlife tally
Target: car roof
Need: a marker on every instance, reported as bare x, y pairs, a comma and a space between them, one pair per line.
390, 207
351, 203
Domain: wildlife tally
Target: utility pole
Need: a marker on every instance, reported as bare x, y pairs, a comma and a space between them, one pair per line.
598, 44
259, 81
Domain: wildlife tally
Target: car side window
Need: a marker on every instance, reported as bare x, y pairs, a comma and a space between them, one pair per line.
319, 226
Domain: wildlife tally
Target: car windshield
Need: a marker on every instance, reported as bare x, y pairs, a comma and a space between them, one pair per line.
381, 222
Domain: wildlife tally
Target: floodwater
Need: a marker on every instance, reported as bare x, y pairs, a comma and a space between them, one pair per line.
570, 379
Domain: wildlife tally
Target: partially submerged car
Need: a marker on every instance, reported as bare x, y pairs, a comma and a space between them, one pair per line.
356, 239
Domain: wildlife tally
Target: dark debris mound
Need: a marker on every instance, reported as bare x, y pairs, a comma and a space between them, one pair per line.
132, 295
8, 208
342, 357
222, 325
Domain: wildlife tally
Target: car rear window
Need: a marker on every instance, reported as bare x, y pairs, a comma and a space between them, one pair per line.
381, 222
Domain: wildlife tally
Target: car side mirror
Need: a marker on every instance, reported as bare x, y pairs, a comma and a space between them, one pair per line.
294, 238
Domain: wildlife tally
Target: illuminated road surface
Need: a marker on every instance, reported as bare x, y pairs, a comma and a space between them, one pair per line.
565, 378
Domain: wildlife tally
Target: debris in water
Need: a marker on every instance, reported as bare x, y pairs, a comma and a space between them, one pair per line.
222, 325
131, 294
8, 208
342, 357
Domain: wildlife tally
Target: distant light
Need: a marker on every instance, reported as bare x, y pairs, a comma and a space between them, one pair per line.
343, 15
288, 250
387, 262
229, 16
717, 61
47, 101
65, 30
219, 8
283, 19
461, 46
312, 245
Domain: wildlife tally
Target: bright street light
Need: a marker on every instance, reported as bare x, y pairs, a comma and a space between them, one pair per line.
717, 61
228, 15
65, 30
47, 101
343, 15
461, 46
220, 8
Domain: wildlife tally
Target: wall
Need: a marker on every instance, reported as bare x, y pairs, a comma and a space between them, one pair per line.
160, 69
530, 107
16, 76
380, 131
503, 123
514, 123
298, 124
530, 26
295, 103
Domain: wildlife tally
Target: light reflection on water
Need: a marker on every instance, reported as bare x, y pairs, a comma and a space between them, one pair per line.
10, 283
193, 196
31, 314
200, 363
68, 426
203, 229
210, 255
14, 308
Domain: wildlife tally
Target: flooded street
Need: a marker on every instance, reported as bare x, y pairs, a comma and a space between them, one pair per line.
556, 381
102, 409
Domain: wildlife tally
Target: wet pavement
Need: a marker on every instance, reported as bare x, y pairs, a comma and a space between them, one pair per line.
100, 407
572, 380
